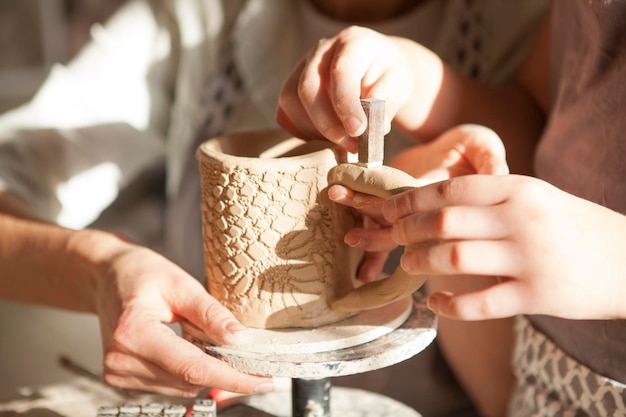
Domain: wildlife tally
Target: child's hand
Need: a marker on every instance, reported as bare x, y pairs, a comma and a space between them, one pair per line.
552, 252
462, 150
466, 149
321, 98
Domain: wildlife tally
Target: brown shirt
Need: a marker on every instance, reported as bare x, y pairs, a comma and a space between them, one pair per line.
583, 150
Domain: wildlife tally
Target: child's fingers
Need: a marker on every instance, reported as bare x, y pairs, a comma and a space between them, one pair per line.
372, 266
366, 204
476, 257
457, 222
465, 190
502, 300
481, 146
371, 240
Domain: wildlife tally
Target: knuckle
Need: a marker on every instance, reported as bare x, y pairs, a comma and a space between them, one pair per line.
341, 102
112, 380
445, 223
486, 307
352, 31
213, 311
529, 189
464, 309
115, 362
306, 89
286, 100
328, 131
193, 373
412, 202
419, 260
458, 257
399, 232
455, 309
451, 189
122, 338
410, 261
534, 199
338, 67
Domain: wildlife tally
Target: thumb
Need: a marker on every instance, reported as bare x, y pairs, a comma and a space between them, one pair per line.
483, 149
203, 313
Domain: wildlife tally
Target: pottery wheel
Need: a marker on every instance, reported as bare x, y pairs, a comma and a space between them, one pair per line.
371, 340
358, 329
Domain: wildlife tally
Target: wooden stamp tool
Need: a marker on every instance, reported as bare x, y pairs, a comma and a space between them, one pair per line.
372, 141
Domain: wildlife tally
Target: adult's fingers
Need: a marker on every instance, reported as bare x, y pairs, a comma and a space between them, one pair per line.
129, 372
197, 306
184, 360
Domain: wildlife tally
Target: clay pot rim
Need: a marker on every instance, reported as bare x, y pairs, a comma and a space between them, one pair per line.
280, 149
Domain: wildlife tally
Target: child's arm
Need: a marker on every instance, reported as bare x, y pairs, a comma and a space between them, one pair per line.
425, 97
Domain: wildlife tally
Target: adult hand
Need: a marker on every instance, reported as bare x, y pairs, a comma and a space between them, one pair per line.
553, 253
321, 98
139, 291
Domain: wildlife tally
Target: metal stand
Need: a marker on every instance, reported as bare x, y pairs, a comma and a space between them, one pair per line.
310, 372
310, 397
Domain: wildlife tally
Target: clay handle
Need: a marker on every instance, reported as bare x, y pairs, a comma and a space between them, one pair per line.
382, 181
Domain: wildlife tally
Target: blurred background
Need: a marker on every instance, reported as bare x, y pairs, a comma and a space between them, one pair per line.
34, 34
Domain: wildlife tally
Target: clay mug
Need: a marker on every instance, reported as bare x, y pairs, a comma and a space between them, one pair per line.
273, 242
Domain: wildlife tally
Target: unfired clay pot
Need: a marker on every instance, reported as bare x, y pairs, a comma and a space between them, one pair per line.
273, 241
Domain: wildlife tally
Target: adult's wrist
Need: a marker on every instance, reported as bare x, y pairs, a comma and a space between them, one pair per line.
93, 252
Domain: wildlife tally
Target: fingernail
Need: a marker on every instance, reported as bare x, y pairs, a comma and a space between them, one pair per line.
354, 126
264, 388
235, 333
354, 241
389, 210
235, 339
433, 304
233, 326
336, 193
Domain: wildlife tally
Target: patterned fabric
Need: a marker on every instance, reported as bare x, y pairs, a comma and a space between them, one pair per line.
183, 232
550, 383
220, 98
470, 52
583, 151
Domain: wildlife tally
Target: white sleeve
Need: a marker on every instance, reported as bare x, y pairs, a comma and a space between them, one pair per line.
96, 123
